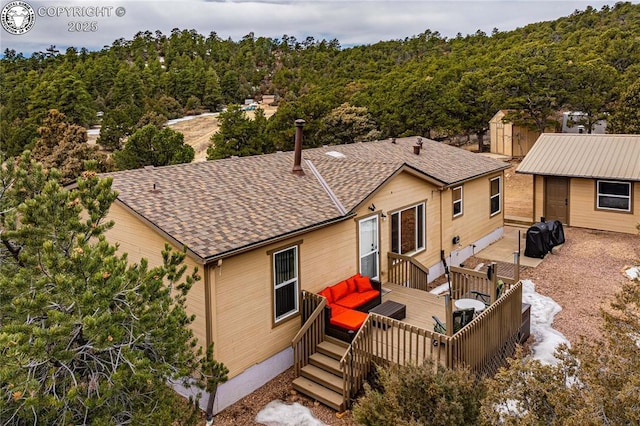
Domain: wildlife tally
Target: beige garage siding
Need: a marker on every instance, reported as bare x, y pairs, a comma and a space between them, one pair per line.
583, 212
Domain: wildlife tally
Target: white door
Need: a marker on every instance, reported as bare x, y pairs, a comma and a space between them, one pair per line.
369, 259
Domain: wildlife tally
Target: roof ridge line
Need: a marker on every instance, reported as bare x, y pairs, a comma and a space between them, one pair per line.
326, 187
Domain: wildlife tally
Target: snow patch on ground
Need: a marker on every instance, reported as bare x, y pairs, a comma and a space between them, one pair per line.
440, 289
633, 273
543, 310
277, 413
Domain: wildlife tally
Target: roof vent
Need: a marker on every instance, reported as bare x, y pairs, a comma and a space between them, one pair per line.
393, 141
418, 146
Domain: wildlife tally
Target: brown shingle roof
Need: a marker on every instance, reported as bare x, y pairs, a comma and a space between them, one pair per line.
580, 155
217, 207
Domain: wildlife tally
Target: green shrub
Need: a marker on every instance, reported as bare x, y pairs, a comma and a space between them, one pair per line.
420, 394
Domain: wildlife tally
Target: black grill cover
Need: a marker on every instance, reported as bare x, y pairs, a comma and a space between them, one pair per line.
556, 233
538, 242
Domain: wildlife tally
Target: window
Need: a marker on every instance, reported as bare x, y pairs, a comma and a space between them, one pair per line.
285, 283
496, 195
614, 195
408, 230
457, 201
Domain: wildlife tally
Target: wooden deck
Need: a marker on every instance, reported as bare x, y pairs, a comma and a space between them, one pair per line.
482, 346
421, 305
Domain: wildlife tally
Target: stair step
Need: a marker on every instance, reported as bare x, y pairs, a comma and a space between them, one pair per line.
335, 341
320, 393
323, 377
326, 363
332, 349
518, 221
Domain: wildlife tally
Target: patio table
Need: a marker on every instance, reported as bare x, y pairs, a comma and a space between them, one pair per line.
470, 303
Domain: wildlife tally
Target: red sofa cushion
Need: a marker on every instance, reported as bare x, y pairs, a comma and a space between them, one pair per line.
339, 290
327, 294
354, 300
351, 284
337, 309
349, 319
363, 284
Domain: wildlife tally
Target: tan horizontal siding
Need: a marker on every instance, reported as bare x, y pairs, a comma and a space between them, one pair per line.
475, 221
139, 241
585, 215
243, 293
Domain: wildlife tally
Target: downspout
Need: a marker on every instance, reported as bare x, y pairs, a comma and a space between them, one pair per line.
208, 333
208, 320
442, 229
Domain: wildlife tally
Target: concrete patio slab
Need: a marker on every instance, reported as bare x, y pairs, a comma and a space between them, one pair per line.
503, 249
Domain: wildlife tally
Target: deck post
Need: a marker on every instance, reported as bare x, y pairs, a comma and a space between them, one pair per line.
494, 281
516, 273
449, 310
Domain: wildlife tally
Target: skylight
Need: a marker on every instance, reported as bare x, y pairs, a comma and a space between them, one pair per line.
335, 154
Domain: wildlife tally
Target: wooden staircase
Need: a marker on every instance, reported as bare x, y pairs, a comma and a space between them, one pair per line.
322, 378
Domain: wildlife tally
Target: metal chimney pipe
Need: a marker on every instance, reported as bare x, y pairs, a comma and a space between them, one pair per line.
297, 160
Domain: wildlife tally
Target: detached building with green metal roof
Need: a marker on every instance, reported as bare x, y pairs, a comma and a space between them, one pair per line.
588, 181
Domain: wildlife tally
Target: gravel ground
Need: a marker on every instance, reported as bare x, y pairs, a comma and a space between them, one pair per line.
581, 276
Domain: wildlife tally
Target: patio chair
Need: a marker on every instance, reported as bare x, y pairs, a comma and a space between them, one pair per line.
486, 298
461, 317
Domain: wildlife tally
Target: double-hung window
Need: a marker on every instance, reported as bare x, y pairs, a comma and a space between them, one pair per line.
285, 283
457, 201
408, 230
496, 195
614, 195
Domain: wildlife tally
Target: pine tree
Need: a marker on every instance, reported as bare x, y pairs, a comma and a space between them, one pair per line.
151, 146
85, 336
64, 146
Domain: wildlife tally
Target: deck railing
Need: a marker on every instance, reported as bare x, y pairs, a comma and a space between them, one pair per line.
311, 334
464, 281
406, 271
484, 345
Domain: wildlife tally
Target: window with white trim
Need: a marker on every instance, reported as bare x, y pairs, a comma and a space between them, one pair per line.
285, 283
457, 201
408, 230
496, 195
614, 195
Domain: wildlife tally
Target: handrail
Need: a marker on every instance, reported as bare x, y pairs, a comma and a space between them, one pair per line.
406, 271
352, 382
311, 333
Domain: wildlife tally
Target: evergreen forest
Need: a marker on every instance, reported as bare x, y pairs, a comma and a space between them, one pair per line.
425, 84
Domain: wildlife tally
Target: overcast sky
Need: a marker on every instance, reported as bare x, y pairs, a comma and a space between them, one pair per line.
351, 22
